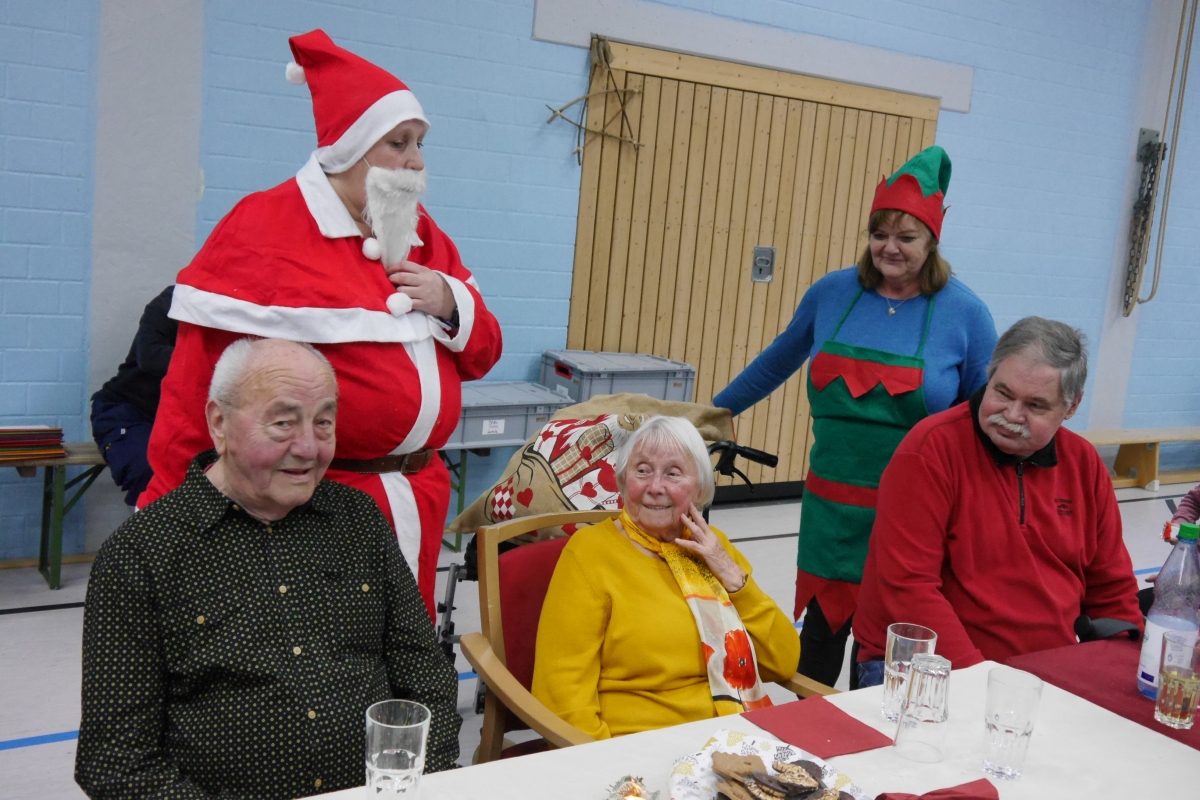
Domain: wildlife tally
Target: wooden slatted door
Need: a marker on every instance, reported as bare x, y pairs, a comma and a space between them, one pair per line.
727, 157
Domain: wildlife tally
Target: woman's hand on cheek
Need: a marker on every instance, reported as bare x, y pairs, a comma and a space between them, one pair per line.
707, 545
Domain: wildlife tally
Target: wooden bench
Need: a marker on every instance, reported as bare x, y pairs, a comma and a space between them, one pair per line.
1137, 458
54, 503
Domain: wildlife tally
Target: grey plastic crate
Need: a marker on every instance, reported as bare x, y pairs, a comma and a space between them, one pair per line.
502, 414
582, 374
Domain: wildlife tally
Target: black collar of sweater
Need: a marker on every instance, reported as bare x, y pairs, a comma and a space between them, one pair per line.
1046, 457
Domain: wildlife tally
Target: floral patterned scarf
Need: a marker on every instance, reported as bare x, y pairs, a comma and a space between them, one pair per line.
728, 651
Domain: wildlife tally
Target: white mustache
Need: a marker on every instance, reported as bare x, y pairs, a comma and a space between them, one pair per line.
392, 197
999, 420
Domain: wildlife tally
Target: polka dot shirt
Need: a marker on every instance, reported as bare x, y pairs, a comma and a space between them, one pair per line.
225, 657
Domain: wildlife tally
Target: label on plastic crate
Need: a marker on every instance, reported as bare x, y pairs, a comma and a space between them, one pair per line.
492, 427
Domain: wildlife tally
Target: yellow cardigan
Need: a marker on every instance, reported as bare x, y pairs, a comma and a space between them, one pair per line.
617, 648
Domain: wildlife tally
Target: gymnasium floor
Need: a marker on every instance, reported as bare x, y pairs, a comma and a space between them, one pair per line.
40, 655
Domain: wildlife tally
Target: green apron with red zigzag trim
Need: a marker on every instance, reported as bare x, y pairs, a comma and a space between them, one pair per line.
863, 401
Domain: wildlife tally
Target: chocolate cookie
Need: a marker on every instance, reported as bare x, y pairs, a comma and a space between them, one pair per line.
797, 776
733, 791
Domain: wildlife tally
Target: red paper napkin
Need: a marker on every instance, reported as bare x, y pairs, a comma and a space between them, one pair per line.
819, 727
981, 789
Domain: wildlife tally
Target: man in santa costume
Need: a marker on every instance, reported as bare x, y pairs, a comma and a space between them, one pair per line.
344, 257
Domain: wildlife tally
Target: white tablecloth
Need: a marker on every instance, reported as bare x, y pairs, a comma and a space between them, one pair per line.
1078, 750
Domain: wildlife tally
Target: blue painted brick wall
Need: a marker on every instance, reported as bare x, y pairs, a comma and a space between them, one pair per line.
503, 183
47, 128
1164, 387
1039, 162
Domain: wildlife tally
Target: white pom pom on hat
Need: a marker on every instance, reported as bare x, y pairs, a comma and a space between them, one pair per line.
294, 74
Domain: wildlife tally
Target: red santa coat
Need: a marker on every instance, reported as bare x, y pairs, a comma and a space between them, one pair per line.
288, 263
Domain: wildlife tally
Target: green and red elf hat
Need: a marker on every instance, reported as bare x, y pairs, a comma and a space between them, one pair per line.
918, 188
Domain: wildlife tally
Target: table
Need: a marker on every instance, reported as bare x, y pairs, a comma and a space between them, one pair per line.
54, 504
1078, 750
1102, 673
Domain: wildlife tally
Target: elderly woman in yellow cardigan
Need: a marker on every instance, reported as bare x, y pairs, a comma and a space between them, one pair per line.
653, 619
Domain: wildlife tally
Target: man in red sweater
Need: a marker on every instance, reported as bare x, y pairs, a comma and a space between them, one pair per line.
996, 526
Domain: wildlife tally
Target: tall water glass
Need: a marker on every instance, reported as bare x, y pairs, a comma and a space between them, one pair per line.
1010, 711
396, 734
1178, 680
921, 735
904, 640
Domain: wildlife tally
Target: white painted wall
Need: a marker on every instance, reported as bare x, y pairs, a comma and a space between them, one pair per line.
147, 184
1114, 351
684, 31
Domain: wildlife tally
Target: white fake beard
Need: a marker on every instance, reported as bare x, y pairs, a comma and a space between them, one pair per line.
392, 197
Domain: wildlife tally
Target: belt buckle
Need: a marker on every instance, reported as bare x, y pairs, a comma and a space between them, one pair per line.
415, 462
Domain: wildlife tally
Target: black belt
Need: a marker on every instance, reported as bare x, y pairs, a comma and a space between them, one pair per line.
408, 464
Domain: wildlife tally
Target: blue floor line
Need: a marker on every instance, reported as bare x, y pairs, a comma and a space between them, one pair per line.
1147, 571
30, 741
466, 676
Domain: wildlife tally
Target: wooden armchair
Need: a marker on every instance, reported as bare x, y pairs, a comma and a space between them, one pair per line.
503, 653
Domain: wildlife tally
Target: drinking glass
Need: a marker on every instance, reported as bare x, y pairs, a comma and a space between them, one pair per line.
904, 640
396, 735
1178, 680
921, 735
1011, 708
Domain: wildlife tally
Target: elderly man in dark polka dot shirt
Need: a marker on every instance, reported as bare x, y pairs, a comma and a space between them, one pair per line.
237, 629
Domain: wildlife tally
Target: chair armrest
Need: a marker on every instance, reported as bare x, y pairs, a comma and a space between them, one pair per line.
806, 687
515, 697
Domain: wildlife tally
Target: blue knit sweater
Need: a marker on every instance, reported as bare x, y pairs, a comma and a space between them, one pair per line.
961, 338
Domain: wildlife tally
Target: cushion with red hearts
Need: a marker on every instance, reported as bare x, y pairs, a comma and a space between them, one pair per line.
568, 464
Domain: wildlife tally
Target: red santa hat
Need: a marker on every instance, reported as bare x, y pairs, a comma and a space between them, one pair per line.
354, 102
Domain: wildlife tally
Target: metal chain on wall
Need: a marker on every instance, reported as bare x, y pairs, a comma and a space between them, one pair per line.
1150, 154
601, 60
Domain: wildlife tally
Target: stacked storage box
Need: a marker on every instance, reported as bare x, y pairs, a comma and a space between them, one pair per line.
503, 414
582, 374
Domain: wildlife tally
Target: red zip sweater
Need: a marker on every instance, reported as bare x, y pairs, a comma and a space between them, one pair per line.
998, 556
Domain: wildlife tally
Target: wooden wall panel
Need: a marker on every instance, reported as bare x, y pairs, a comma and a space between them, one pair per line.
609, 335
655, 282
729, 157
643, 184
718, 164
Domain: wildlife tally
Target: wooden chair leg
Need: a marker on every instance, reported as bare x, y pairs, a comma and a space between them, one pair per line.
491, 740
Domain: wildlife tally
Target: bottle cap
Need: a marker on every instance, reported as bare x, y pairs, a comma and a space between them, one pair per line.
1189, 530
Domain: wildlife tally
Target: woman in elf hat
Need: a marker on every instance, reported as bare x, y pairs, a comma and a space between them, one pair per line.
893, 339
343, 256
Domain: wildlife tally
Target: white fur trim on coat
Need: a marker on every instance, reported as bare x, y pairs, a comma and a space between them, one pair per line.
466, 316
404, 513
327, 209
424, 356
315, 325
